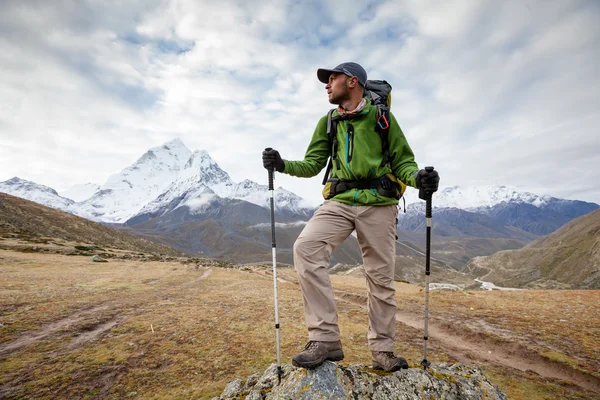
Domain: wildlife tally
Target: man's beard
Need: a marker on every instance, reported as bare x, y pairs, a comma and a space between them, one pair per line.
340, 97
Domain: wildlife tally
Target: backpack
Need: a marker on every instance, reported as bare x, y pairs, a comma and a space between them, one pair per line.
380, 94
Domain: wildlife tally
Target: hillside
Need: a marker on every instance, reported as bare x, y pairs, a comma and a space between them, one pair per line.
567, 258
19, 216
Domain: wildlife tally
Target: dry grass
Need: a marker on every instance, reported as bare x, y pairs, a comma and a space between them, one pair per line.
167, 330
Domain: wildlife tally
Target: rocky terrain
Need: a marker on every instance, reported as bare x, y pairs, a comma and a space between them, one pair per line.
335, 382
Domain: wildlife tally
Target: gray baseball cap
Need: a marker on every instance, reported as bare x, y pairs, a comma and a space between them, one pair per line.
347, 68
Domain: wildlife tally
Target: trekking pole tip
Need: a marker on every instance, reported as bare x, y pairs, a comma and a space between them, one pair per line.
426, 364
279, 374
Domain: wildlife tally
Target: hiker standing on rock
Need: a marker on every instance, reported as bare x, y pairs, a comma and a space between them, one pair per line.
371, 164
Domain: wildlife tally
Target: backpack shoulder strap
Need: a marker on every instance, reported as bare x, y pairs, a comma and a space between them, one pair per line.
382, 126
332, 136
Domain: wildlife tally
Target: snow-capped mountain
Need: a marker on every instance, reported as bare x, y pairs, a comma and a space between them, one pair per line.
80, 192
474, 197
201, 182
505, 205
35, 192
163, 179
125, 193
191, 186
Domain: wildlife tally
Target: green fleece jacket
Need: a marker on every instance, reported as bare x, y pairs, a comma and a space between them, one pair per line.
360, 157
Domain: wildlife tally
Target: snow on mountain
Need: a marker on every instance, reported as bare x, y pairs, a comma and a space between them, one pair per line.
202, 182
35, 192
252, 192
474, 197
191, 186
125, 193
167, 177
196, 197
202, 168
80, 192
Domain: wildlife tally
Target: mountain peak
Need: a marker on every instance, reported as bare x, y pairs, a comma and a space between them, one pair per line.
174, 144
24, 184
203, 156
15, 180
35, 192
204, 169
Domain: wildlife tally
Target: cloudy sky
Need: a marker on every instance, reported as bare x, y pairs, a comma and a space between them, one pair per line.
488, 92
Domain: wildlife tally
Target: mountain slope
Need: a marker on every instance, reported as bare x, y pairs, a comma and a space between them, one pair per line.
567, 258
538, 220
27, 217
457, 222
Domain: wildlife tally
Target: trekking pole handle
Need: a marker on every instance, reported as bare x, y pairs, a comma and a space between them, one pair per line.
428, 195
270, 172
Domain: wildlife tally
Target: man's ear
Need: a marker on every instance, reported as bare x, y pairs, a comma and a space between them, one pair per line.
352, 82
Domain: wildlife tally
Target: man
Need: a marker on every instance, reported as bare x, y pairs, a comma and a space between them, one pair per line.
358, 197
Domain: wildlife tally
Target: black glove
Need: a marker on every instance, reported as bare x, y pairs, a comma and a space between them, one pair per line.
427, 182
272, 160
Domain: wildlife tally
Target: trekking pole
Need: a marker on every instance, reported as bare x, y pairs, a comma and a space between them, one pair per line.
274, 251
426, 194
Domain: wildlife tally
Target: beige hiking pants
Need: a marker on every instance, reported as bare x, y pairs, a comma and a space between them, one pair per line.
331, 224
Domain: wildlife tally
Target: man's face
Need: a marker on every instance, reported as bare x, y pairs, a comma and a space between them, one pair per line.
337, 88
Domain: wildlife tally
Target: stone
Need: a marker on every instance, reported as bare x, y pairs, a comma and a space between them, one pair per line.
450, 381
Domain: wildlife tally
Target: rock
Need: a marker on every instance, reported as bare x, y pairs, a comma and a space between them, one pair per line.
97, 259
443, 286
332, 381
232, 388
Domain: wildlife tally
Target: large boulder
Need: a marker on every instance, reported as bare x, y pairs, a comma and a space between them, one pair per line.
333, 381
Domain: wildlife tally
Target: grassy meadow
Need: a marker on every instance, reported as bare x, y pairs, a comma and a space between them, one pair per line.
75, 329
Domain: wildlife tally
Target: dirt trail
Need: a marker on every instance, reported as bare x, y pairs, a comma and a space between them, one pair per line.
91, 323
204, 275
94, 333
468, 346
52, 328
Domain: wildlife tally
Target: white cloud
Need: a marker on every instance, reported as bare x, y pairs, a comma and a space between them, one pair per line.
487, 92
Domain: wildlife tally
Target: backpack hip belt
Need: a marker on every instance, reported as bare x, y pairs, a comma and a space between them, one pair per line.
384, 186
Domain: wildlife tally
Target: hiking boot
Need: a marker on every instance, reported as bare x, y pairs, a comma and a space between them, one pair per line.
387, 361
315, 353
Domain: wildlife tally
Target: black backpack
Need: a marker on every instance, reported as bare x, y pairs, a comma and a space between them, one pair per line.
380, 94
